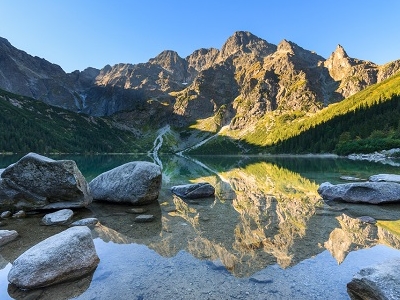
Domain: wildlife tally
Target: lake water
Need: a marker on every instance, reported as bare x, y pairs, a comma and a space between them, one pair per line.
265, 235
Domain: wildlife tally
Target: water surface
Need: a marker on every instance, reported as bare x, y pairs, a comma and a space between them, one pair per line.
265, 234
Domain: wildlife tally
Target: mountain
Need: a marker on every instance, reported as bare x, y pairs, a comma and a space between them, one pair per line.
246, 88
366, 122
29, 125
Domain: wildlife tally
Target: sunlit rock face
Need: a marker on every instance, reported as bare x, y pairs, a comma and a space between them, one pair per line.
262, 214
354, 234
241, 82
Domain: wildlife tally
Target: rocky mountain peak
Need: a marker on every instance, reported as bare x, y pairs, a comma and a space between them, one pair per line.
243, 42
202, 58
340, 53
171, 62
339, 63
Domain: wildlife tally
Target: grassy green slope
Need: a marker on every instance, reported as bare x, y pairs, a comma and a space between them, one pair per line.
366, 122
29, 125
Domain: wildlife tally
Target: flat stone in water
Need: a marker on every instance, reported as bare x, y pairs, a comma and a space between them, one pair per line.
169, 209
136, 210
6, 214
90, 222
7, 236
261, 279
60, 217
19, 214
367, 219
144, 218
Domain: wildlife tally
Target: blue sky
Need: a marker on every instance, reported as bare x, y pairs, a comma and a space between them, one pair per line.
76, 34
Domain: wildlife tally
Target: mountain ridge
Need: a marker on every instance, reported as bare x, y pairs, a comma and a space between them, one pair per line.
242, 86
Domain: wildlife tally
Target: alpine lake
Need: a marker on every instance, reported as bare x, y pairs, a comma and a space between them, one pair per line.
266, 234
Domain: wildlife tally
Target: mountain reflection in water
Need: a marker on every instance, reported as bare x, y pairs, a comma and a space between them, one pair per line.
266, 212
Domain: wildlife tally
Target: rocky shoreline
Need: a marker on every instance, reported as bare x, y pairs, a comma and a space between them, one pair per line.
384, 157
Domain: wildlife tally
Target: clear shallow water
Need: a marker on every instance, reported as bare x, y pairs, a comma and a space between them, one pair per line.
266, 234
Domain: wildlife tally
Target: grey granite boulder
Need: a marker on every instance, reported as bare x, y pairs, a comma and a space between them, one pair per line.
137, 182
38, 182
361, 192
65, 256
385, 177
61, 217
378, 282
7, 236
194, 191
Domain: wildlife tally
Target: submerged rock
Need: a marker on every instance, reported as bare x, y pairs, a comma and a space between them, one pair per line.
89, 222
60, 217
7, 236
361, 192
385, 177
65, 256
377, 282
193, 191
144, 218
38, 182
136, 182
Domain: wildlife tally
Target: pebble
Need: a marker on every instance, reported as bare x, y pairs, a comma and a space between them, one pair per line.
136, 210
19, 214
261, 279
90, 222
144, 218
7, 236
367, 219
6, 214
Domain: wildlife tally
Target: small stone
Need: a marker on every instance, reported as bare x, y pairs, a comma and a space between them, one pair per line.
350, 178
6, 214
137, 210
19, 214
367, 219
89, 222
144, 218
60, 217
169, 209
261, 279
7, 236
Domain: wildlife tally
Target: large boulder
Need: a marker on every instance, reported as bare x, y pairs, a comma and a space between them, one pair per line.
361, 192
38, 182
193, 191
137, 182
378, 282
65, 256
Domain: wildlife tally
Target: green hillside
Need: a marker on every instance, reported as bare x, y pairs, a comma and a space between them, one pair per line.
29, 125
366, 122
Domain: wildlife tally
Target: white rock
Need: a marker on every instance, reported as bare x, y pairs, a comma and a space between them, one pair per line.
61, 257
7, 236
60, 217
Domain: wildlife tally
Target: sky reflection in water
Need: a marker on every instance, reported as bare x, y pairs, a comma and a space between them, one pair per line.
266, 232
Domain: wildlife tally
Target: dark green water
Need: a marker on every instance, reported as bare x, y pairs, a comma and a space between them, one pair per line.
265, 235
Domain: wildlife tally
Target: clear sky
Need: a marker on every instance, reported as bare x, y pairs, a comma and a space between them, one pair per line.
77, 34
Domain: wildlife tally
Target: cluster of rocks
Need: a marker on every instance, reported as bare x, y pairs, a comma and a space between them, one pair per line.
37, 183
384, 156
381, 281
